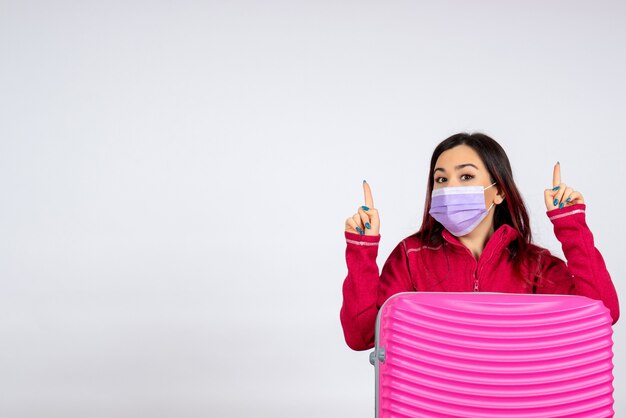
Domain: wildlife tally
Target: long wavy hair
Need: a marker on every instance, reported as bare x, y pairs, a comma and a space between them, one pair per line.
511, 212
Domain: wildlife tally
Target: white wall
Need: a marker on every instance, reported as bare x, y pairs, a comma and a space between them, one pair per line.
175, 177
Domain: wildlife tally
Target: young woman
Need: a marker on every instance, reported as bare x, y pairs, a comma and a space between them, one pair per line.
475, 236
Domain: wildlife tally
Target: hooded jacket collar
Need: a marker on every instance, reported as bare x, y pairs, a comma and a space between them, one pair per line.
499, 241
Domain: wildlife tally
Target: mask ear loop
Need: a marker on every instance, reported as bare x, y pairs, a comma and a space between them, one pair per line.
493, 203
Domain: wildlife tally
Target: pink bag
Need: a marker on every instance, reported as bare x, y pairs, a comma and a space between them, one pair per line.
477, 355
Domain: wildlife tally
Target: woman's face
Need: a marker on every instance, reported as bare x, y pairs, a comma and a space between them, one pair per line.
461, 166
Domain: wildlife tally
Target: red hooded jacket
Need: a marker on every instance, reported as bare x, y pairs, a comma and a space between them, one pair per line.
451, 267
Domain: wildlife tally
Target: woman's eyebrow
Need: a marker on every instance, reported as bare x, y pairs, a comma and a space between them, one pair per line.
462, 166
457, 167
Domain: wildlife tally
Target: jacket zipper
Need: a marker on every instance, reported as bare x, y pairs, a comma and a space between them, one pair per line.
475, 271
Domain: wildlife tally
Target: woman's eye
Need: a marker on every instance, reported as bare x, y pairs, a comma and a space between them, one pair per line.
467, 177
440, 180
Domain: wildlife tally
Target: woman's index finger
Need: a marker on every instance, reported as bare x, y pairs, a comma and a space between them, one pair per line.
556, 174
369, 200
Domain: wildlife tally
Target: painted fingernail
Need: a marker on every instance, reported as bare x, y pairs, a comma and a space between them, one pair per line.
568, 199
364, 182
556, 202
556, 188
561, 205
360, 231
365, 208
367, 225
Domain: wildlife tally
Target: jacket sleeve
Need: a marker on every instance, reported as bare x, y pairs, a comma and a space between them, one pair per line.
585, 273
364, 290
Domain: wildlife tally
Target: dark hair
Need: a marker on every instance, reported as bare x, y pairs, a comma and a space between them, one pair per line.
511, 212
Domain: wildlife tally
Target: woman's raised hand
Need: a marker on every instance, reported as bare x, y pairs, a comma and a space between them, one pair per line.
365, 221
561, 194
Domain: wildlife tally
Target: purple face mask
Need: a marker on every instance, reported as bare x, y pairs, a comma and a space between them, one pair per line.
459, 209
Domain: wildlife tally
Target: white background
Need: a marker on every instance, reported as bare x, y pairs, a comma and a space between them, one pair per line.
175, 176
